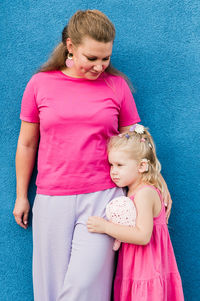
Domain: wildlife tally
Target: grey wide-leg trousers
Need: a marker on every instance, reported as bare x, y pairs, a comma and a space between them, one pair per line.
69, 263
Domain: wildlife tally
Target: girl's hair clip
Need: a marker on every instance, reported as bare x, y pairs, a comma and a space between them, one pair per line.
150, 145
127, 136
138, 128
142, 140
132, 128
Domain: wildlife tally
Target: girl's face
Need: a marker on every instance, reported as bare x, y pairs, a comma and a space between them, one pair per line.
90, 58
123, 169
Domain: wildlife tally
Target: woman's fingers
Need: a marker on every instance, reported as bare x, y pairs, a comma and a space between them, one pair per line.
19, 221
21, 212
25, 219
168, 206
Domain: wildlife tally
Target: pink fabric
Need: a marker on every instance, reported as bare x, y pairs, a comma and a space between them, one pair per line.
149, 273
76, 116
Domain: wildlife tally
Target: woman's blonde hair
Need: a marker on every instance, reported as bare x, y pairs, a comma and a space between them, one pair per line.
139, 145
91, 23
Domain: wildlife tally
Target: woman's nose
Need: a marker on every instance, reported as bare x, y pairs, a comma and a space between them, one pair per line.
98, 68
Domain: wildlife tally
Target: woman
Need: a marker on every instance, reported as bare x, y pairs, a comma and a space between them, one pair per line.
74, 104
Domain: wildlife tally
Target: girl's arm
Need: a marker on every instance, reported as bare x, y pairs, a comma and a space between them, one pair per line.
25, 159
141, 233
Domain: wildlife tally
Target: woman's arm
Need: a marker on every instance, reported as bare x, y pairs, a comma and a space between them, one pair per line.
125, 129
25, 159
141, 233
167, 198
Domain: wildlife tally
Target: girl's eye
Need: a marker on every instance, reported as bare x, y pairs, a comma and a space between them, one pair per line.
106, 59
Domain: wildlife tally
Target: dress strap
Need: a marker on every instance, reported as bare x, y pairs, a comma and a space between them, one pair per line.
162, 210
148, 185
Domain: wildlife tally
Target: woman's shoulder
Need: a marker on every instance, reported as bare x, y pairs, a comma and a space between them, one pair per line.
45, 74
118, 82
40, 77
115, 77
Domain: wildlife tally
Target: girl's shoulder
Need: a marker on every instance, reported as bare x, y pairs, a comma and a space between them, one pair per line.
146, 191
149, 197
144, 188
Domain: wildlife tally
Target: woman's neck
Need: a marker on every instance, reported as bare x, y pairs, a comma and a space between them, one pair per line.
70, 72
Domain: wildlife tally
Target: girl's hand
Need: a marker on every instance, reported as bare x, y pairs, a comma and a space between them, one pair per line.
96, 224
21, 211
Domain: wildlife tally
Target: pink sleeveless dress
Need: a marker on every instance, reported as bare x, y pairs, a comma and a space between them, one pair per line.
149, 273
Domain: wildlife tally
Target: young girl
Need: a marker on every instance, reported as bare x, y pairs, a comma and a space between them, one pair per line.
147, 269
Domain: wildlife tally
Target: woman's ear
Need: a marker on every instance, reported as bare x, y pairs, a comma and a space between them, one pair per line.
69, 45
143, 166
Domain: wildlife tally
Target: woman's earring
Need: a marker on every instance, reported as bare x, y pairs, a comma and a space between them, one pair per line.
69, 61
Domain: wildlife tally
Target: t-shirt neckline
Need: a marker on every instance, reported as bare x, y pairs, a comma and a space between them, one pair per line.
77, 78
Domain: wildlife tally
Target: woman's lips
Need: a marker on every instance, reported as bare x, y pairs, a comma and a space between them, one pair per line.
94, 73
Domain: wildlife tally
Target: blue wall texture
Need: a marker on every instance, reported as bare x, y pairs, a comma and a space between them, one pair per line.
157, 46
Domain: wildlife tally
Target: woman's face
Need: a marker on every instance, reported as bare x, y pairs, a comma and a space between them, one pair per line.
90, 58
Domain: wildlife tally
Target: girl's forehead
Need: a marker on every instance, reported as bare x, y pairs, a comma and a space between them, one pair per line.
118, 153
122, 153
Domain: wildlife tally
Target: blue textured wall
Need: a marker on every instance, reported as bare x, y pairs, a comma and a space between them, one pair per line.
157, 46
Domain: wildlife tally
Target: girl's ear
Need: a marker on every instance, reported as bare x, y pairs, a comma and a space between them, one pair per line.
143, 166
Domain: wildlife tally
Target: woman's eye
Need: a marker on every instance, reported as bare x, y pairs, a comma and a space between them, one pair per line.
91, 58
94, 59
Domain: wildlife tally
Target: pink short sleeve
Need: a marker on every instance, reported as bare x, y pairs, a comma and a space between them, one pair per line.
29, 110
128, 112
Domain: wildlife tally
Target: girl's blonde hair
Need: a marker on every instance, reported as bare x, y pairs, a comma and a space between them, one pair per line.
139, 145
91, 23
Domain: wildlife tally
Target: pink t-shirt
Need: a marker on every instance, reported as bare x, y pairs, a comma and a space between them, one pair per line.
77, 117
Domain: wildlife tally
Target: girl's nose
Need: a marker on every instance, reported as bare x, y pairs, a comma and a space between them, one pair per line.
113, 171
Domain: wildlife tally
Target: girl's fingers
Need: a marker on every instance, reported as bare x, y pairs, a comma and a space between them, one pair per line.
90, 229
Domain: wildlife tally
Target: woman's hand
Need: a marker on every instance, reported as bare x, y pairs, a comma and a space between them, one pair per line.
167, 201
166, 198
21, 211
96, 224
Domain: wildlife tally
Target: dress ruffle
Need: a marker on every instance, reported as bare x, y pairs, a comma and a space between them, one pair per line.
158, 289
